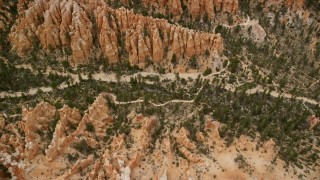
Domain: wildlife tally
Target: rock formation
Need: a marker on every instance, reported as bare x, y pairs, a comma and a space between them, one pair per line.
139, 153
108, 41
36, 121
78, 166
186, 146
84, 28
190, 156
183, 139
119, 161
81, 41
60, 140
213, 127
98, 116
200, 136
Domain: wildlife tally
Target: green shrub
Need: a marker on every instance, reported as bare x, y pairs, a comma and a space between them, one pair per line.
89, 127
174, 59
207, 72
83, 147
193, 62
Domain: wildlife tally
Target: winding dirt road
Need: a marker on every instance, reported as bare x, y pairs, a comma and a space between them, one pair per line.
111, 77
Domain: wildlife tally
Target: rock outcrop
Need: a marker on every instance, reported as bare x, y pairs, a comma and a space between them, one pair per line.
35, 125
60, 140
97, 146
212, 127
78, 166
108, 41
189, 155
200, 136
82, 29
119, 161
98, 116
36, 121
182, 138
186, 146
81, 41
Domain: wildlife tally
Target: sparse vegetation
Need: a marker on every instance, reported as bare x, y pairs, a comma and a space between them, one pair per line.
83, 147
286, 63
193, 62
207, 72
89, 127
20, 79
242, 163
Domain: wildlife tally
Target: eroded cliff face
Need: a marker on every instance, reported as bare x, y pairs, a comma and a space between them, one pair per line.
36, 121
88, 28
89, 146
61, 139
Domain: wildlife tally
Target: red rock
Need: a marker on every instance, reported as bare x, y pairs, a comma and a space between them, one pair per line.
67, 24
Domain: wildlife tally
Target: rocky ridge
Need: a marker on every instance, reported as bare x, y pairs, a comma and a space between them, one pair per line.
36, 121
80, 147
87, 29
